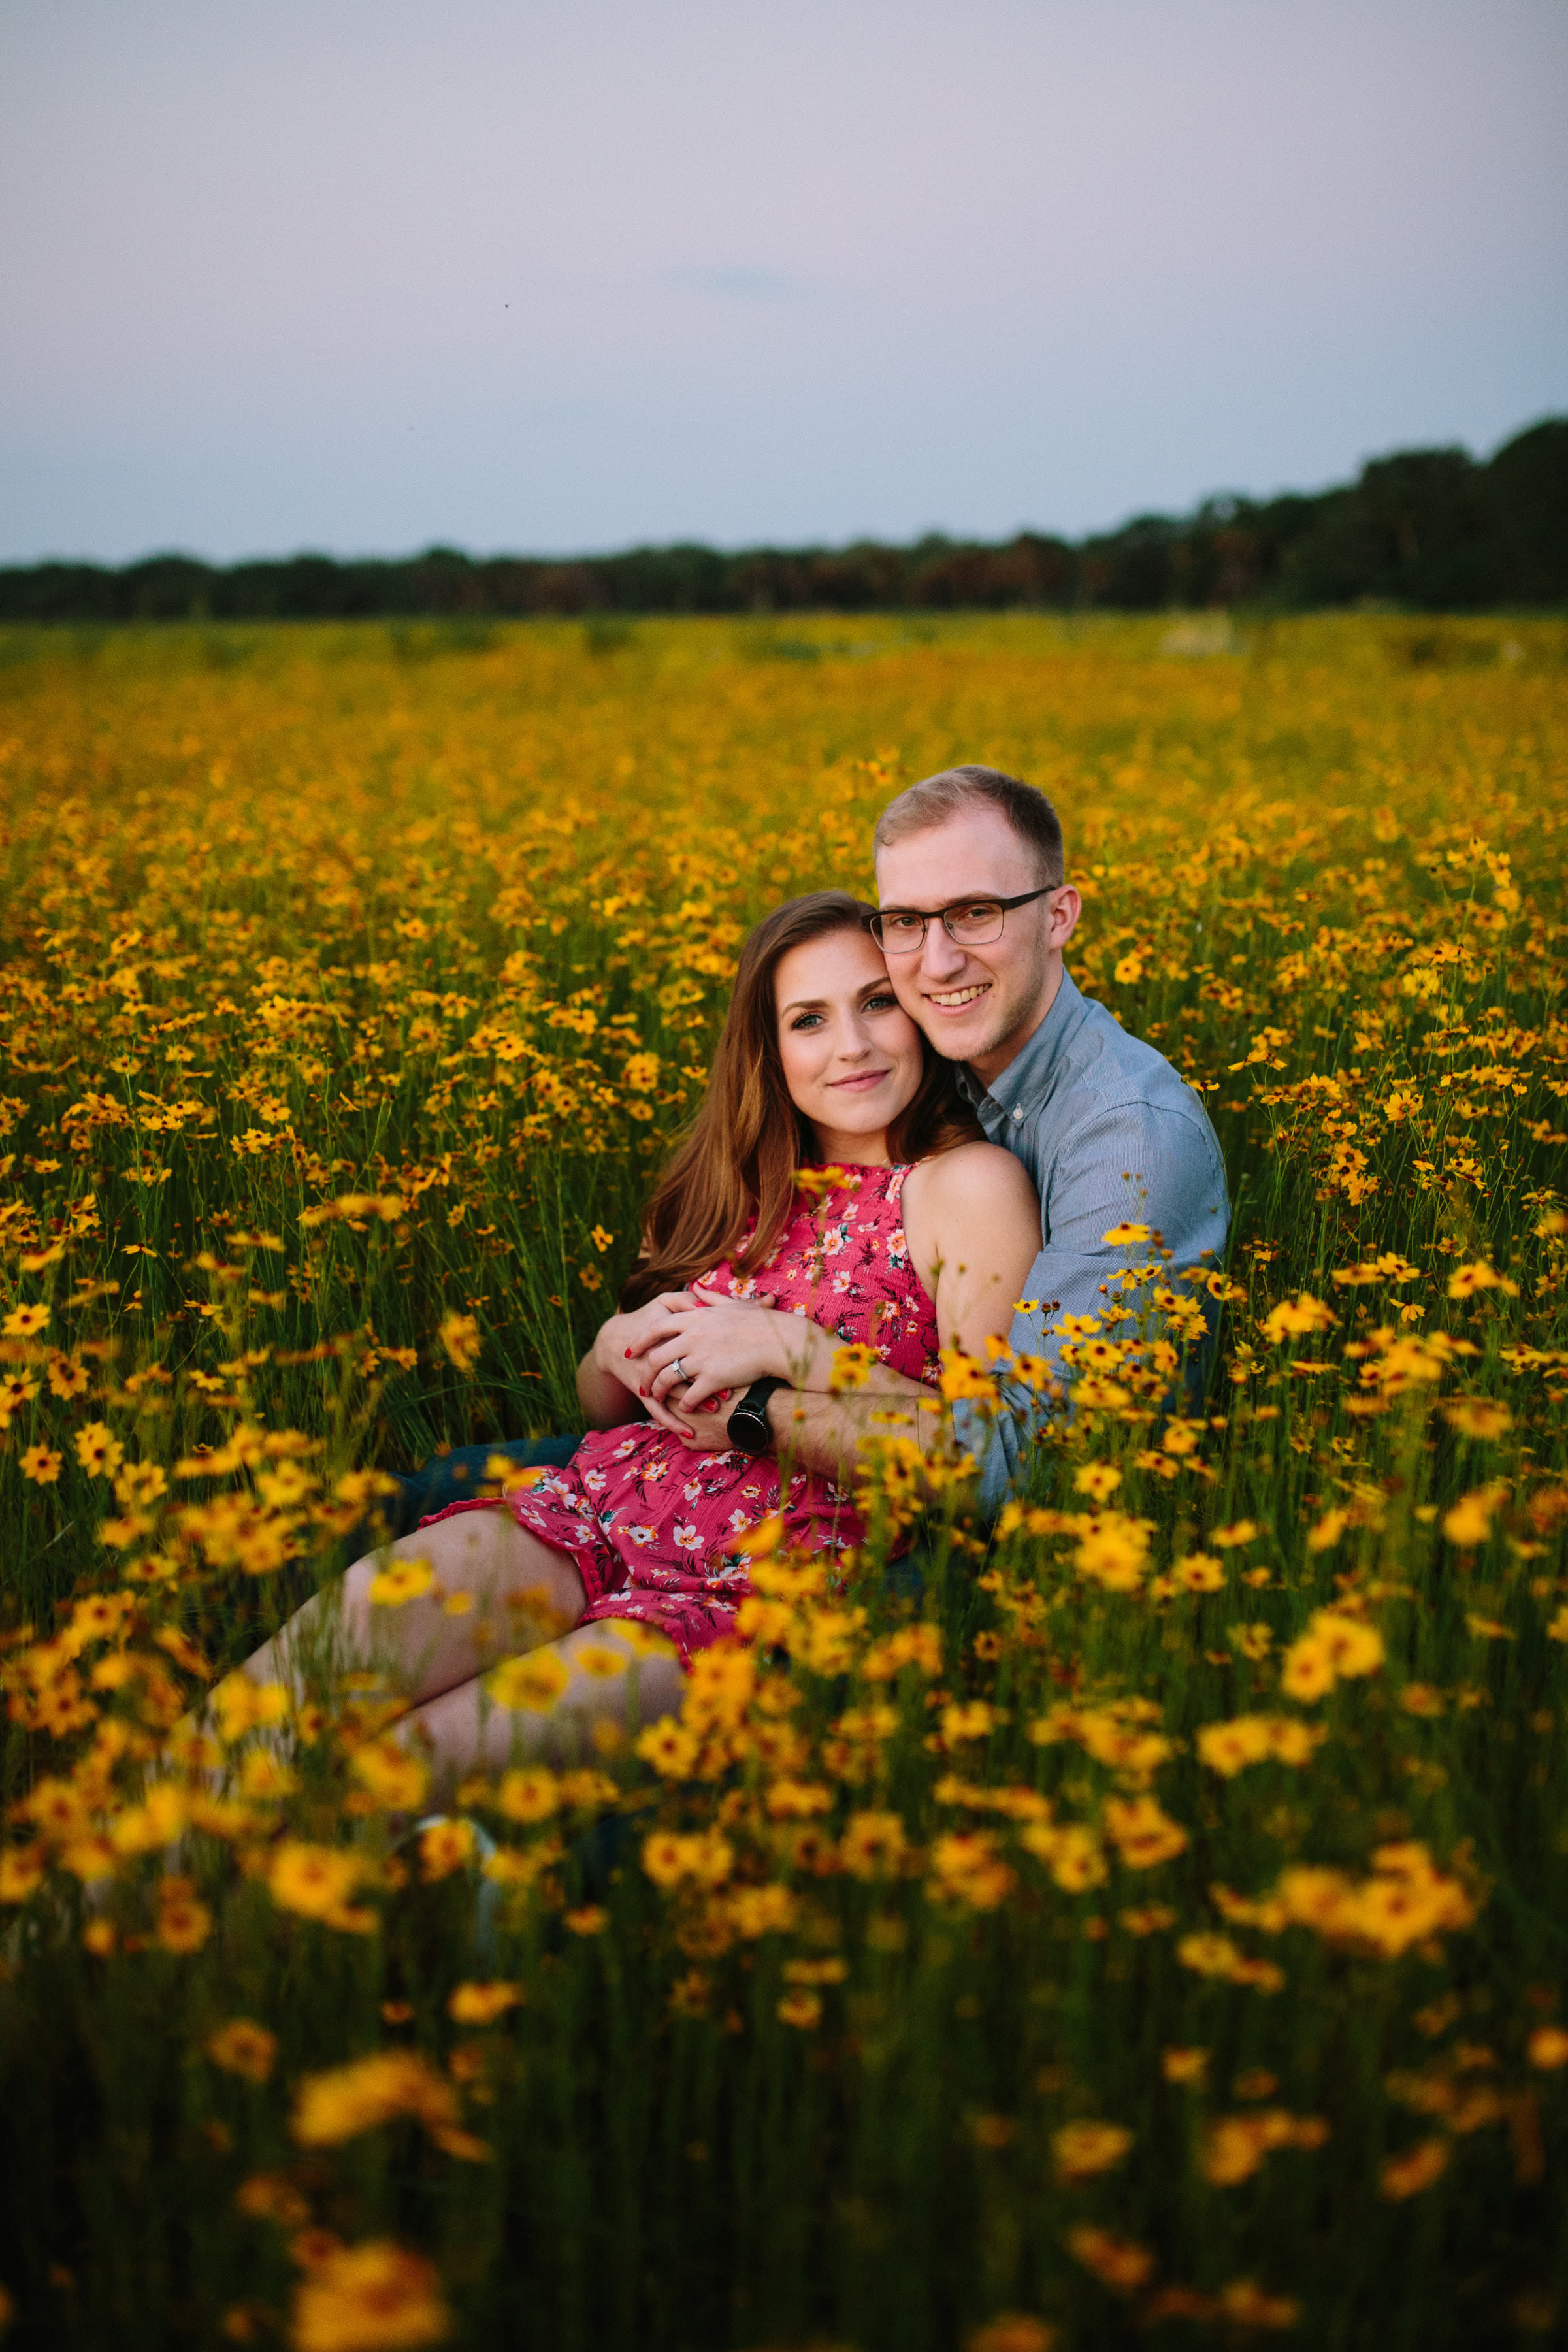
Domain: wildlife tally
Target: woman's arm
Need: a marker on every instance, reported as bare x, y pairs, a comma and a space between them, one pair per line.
972, 1219
610, 1377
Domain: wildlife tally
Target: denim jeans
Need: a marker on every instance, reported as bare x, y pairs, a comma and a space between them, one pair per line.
451, 1479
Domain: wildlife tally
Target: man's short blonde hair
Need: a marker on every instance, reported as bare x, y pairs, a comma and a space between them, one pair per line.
937, 798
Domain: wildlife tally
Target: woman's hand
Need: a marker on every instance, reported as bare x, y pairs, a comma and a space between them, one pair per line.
720, 1344
610, 1375
623, 1339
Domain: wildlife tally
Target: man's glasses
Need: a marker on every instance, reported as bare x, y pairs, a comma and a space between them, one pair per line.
968, 922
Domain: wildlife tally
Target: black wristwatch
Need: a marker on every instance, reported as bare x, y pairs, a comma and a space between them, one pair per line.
747, 1426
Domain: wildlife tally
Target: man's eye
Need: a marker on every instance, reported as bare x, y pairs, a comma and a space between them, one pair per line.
902, 927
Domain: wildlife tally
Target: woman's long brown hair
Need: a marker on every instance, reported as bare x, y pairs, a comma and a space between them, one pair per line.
748, 1138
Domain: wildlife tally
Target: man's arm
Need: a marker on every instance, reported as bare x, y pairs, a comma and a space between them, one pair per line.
1138, 1163
821, 1432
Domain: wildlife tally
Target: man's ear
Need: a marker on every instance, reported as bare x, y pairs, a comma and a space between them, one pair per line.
1065, 908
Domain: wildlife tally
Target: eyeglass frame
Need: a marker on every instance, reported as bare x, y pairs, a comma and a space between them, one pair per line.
930, 915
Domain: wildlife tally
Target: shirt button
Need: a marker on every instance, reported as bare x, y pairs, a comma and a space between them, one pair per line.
1018, 1112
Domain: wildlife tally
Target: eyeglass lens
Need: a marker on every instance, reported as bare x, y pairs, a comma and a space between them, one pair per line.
970, 926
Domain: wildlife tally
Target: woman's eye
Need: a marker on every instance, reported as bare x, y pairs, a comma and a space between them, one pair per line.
883, 1003
806, 1021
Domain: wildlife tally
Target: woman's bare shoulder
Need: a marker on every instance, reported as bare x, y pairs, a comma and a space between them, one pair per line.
974, 1178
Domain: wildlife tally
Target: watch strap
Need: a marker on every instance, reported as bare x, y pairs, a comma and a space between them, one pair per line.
747, 1426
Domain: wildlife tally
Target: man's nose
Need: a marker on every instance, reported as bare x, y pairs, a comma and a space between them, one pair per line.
940, 957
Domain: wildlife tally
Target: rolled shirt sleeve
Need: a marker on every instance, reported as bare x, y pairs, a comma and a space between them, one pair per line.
1150, 1163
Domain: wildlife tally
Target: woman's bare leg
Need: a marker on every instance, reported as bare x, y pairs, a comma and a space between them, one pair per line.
518, 1592
463, 1730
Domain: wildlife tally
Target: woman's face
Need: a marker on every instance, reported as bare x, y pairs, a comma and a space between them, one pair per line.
852, 1057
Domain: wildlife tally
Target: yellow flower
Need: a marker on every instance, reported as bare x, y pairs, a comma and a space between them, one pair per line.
1548, 2047
1478, 1416
1465, 1280
756, 1911
528, 1793
670, 1747
459, 1336
1098, 1479
801, 2008
1289, 1322
21, 1873
390, 1775
1307, 1671
373, 2297
1114, 1553
873, 1844
24, 1322
599, 1661
1470, 1522
98, 1449
532, 1683
590, 1920
184, 1922
314, 1880
1117, 2262
966, 1869
1352, 1647
1073, 1855
404, 1580
242, 2047
446, 1846
1081, 2150
241, 1706
1183, 2066
1407, 2175
1242, 1531
42, 1464
481, 2004
1199, 1572
369, 2092
1142, 1833
1013, 2331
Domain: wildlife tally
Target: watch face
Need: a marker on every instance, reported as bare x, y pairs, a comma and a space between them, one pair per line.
748, 1428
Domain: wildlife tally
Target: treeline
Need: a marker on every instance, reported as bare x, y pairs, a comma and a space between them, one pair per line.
1427, 529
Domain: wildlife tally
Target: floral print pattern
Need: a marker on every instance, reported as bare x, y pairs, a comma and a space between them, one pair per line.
653, 1528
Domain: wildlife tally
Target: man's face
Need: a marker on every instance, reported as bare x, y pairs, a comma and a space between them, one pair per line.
976, 1004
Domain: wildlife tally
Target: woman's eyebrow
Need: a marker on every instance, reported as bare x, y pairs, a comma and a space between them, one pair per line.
820, 1003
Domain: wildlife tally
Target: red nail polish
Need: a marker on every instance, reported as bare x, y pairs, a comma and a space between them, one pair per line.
628, 1354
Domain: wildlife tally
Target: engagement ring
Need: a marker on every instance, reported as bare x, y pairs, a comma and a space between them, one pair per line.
678, 1369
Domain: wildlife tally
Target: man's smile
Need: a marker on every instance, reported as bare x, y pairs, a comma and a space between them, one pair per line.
953, 999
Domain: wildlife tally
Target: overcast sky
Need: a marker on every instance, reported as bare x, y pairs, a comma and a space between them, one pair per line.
543, 275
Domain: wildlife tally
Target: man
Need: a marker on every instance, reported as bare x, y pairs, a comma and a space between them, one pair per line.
975, 915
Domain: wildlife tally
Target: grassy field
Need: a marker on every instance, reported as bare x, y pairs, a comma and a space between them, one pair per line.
1159, 1923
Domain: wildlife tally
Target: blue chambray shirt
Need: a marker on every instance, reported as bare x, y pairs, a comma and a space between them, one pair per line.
1109, 1133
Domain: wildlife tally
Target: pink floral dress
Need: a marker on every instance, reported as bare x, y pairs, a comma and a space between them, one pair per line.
653, 1528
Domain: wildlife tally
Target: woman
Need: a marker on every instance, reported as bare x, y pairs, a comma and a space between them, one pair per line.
909, 1232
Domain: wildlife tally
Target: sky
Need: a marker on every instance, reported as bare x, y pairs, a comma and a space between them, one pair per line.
532, 275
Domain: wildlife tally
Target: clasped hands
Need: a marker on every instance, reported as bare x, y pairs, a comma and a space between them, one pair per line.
687, 1352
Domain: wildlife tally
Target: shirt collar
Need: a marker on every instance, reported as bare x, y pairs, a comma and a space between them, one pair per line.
1023, 1082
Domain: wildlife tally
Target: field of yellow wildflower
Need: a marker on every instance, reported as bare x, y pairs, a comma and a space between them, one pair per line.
1154, 1920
